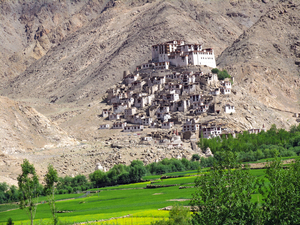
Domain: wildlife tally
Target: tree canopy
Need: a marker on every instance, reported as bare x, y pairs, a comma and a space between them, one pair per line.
28, 189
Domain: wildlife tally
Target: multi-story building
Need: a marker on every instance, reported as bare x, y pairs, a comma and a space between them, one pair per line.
178, 53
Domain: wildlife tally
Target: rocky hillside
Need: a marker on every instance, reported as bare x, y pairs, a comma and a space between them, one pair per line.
23, 129
85, 52
265, 59
30, 28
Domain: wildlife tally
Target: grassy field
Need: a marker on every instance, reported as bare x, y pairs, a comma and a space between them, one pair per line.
138, 203
113, 203
5, 207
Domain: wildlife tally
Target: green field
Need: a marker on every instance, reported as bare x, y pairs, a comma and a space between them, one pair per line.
136, 200
113, 203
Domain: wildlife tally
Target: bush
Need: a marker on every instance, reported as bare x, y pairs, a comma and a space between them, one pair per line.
9, 221
223, 74
215, 70
178, 215
206, 162
195, 157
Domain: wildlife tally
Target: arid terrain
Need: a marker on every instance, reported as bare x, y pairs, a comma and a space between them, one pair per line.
58, 58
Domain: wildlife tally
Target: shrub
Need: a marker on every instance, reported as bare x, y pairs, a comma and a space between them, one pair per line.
215, 70
9, 221
195, 157
223, 74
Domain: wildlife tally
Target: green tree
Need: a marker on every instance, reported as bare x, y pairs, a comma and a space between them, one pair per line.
3, 192
9, 221
195, 157
281, 198
215, 70
51, 178
223, 196
99, 178
28, 183
179, 215
136, 171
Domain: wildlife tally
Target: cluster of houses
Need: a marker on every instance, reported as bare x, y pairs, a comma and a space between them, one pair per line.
150, 100
153, 95
149, 97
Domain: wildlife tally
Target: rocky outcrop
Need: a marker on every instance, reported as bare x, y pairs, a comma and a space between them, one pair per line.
264, 59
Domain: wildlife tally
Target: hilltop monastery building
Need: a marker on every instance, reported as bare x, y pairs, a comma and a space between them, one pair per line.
178, 53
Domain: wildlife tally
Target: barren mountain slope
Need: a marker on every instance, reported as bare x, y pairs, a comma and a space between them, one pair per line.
22, 129
265, 59
29, 28
91, 59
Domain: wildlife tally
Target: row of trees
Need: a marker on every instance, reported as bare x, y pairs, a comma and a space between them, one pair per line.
122, 174
252, 147
8, 193
119, 174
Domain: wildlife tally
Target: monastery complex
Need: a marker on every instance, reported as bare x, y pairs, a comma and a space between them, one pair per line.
170, 95
178, 53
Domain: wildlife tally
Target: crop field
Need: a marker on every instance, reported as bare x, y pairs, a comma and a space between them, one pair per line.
109, 204
134, 202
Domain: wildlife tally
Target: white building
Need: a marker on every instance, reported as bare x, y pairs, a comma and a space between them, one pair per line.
226, 84
156, 80
131, 78
104, 126
171, 96
173, 87
211, 132
133, 128
119, 125
178, 53
147, 121
215, 91
163, 114
167, 125
202, 109
138, 118
229, 108
195, 98
153, 125
190, 125
105, 113
146, 138
163, 109
256, 131
128, 101
119, 108
129, 112
142, 101
156, 65
189, 88
114, 116
137, 85
225, 91
209, 79
116, 98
